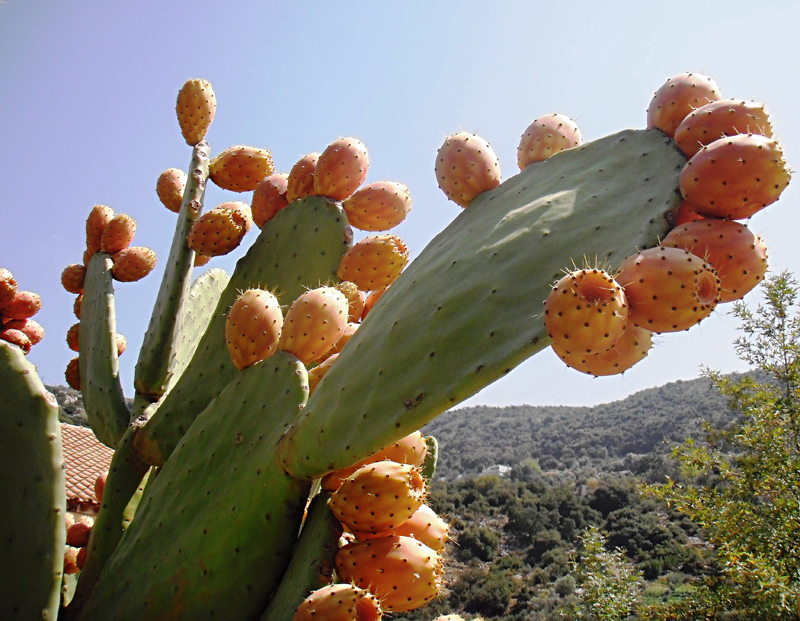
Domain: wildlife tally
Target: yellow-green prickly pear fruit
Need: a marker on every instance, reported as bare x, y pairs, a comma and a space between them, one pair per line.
240, 168
339, 602
195, 107
341, 168
253, 327
313, 323
169, 188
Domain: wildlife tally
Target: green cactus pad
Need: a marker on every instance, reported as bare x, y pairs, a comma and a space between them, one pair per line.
298, 249
33, 491
470, 307
215, 530
431, 459
100, 384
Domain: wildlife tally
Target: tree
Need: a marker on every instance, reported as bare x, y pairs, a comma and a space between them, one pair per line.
745, 492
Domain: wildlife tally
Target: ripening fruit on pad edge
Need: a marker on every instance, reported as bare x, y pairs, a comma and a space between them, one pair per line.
632, 347
339, 602
313, 323
677, 98
545, 137
466, 165
253, 327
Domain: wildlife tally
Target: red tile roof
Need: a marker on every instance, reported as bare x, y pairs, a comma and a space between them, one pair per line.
84, 459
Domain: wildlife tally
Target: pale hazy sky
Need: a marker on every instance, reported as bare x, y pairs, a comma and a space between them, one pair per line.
87, 93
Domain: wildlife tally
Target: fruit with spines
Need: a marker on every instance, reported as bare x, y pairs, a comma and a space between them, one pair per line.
466, 166
240, 168
629, 349
316, 374
677, 98
717, 119
374, 262
169, 188
355, 300
76, 306
371, 299
73, 374
269, 198
313, 323
546, 136
16, 337
341, 168
378, 206
72, 278
8, 287
253, 327
117, 234
217, 232
25, 304
685, 213
73, 337
339, 602
425, 526
349, 330
735, 177
71, 561
668, 289
32, 329
196, 107
300, 182
201, 259
96, 222
133, 263
241, 213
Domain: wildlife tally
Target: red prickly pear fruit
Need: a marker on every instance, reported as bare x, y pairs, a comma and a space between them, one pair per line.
341, 168
117, 235
122, 343
677, 98
631, 348
375, 262
718, 119
69, 520
253, 327
269, 198
686, 213
668, 289
240, 168
73, 337
80, 558
8, 287
100, 485
300, 182
370, 301
201, 259
16, 337
133, 263
195, 107
73, 374
319, 371
217, 232
99, 217
339, 602
586, 311
378, 206
545, 137
25, 304
313, 323
78, 534
32, 329
466, 166
169, 187
735, 177
738, 255
402, 572
378, 497
71, 561
76, 306
72, 278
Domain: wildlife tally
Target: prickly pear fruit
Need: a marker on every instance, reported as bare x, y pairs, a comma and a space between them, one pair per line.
313, 323
686, 213
80, 558
16, 337
100, 485
73, 337
201, 259
374, 262
76, 306
253, 327
349, 330
586, 311
632, 347
318, 372
72, 278
339, 602
269, 198
240, 168
133, 263
24, 304
466, 166
715, 120
402, 572
300, 182
32, 329
117, 235
677, 97
378, 206
738, 255
73, 374
355, 300
242, 213
735, 177
78, 534
371, 299
8, 287
668, 289
196, 107
169, 188
71, 561
121, 342
427, 527
99, 217
341, 168
216, 232
545, 137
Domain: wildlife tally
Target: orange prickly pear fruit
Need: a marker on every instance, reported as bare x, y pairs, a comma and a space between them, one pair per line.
466, 166
73, 374
76, 307
678, 97
217, 232
375, 262
632, 347
24, 304
72, 278
133, 263
378, 206
715, 120
169, 188
686, 213
32, 329
242, 213
99, 217
349, 330
73, 337
16, 337
319, 371
313, 323
269, 198
545, 137
735, 177
240, 168
8, 287
586, 311
738, 255
100, 485
668, 289
369, 302
117, 235
425, 526
402, 572
355, 300
196, 107
253, 327
341, 168
300, 182
200, 259
339, 602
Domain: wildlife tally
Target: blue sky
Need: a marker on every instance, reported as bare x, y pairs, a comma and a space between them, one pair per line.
87, 92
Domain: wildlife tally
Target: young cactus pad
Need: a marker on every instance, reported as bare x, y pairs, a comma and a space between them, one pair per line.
469, 308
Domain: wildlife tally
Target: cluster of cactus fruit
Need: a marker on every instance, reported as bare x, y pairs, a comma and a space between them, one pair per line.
17, 309
251, 478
